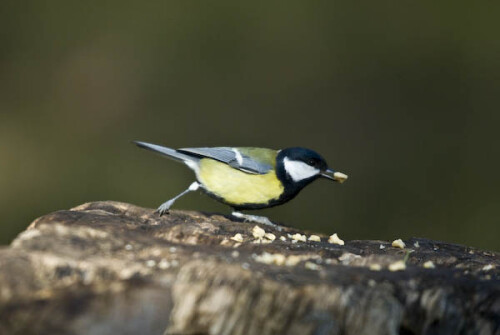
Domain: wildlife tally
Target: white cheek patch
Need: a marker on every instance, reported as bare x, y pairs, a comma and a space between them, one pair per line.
299, 170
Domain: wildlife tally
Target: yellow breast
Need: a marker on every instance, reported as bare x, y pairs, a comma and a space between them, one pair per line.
237, 187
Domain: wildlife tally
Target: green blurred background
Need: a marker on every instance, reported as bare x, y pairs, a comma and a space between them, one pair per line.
402, 96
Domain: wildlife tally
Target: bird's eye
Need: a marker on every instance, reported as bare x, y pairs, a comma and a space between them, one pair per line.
311, 162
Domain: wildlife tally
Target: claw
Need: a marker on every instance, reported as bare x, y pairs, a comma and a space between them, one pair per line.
257, 219
162, 212
164, 208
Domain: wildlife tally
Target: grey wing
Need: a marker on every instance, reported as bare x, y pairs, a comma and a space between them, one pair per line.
231, 156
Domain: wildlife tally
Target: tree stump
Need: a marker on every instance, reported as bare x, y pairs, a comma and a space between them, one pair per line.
115, 268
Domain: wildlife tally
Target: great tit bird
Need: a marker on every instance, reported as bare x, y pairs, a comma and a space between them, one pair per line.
248, 178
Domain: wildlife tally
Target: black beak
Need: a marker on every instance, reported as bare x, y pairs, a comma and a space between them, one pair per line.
335, 176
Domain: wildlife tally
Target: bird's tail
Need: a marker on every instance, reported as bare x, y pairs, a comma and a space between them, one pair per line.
170, 153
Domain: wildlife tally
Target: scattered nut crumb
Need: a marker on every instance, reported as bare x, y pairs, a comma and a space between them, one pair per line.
416, 244
150, 263
235, 254
270, 236
429, 265
335, 239
172, 249
375, 267
314, 238
398, 243
283, 238
238, 238
382, 246
488, 267
299, 237
128, 247
311, 266
397, 266
258, 232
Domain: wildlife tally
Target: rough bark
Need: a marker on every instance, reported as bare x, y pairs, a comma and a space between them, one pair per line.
114, 268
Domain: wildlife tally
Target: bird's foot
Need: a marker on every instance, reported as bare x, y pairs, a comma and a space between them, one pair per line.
257, 219
165, 207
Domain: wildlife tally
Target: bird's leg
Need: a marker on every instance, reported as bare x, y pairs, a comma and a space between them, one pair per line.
256, 219
164, 207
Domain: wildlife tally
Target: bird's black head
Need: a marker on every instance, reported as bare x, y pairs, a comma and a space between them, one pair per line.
297, 167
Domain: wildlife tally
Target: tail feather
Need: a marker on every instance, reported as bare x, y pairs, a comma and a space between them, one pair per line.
170, 153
